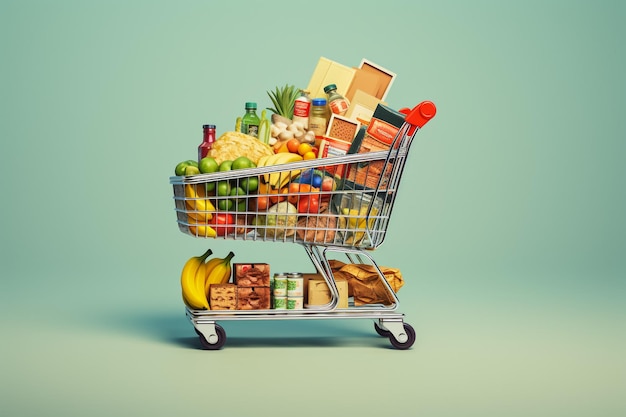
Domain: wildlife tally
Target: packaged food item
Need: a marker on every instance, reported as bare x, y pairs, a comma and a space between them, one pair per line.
208, 137
250, 120
280, 285
295, 303
337, 103
280, 303
231, 145
223, 297
251, 275
302, 109
318, 292
253, 298
295, 285
318, 119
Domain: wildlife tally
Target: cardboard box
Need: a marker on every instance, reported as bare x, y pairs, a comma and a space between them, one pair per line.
378, 136
362, 107
318, 293
342, 128
384, 78
329, 147
251, 275
330, 72
253, 298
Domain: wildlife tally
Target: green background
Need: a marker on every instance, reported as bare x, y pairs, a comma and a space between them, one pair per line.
509, 228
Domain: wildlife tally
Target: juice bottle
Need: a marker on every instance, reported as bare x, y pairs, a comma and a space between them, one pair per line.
318, 119
207, 141
338, 104
302, 109
250, 120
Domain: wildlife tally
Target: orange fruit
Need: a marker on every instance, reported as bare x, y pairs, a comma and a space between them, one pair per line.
292, 145
304, 148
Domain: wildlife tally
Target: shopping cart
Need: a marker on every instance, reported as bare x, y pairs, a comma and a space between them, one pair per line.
349, 219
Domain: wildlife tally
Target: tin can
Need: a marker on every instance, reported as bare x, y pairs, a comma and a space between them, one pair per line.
295, 303
280, 285
295, 284
280, 303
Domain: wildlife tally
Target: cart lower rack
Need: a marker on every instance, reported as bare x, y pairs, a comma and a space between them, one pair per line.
340, 204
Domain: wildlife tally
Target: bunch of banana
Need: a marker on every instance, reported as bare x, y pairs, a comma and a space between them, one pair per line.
278, 180
192, 280
218, 271
354, 222
197, 276
200, 211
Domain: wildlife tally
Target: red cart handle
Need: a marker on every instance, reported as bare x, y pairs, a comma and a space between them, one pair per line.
419, 115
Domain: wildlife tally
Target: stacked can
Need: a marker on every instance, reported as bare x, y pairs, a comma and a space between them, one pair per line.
279, 291
295, 291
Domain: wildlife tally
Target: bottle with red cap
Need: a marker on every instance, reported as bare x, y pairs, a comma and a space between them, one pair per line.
207, 141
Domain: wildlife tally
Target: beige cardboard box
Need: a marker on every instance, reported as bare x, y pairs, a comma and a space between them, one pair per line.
330, 72
318, 293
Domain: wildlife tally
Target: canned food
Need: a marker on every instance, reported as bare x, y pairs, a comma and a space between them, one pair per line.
295, 303
280, 303
280, 285
295, 285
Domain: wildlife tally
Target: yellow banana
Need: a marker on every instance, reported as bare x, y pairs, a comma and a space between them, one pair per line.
220, 274
191, 296
278, 180
210, 265
201, 230
199, 281
197, 200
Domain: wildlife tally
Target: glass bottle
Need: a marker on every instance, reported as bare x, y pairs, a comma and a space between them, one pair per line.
338, 104
318, 119
250, 120
302, 109
207, 141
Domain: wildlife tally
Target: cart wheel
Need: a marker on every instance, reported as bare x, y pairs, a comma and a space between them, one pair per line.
381, 332
221, 339
410, 332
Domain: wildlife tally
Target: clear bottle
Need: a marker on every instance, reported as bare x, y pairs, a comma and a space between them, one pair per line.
318, 119
338, 104
250, 120
208, 138
302, 109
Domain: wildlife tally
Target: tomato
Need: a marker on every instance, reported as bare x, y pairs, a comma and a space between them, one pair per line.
309, 203
328, 186
223, 223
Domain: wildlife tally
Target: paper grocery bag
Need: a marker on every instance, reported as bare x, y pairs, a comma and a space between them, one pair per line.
364, 283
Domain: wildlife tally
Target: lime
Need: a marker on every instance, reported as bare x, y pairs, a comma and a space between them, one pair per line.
180, 168
250, 184
208, 164
241, 206
223, 188
191, 170
225, 204
210, 186
243, 162
237, 191
226, 165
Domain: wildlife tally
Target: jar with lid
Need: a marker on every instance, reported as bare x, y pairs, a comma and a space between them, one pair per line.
250, 120
318, 119
302, 109
337, 103
208, 138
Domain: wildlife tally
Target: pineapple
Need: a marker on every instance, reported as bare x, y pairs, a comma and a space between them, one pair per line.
283, 99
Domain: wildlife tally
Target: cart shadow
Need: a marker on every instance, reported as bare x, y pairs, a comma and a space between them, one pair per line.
175, 329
